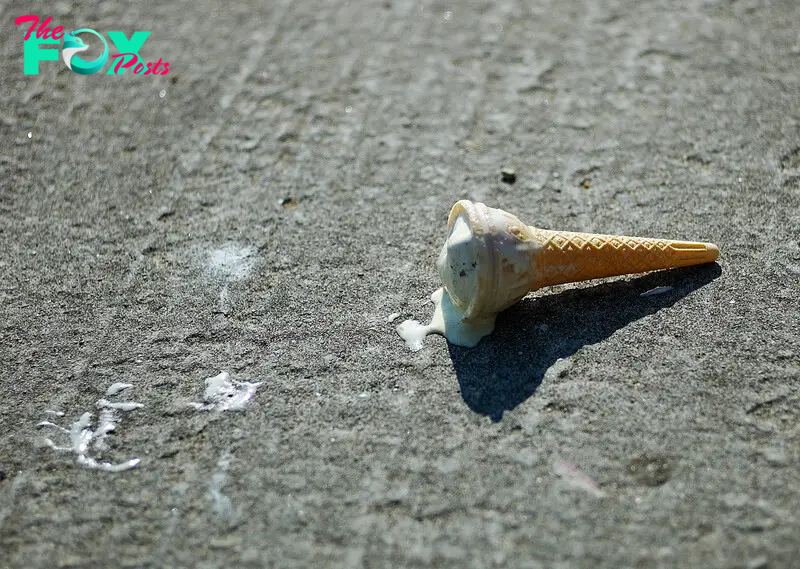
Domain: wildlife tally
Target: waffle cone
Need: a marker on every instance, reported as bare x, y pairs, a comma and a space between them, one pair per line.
569, 257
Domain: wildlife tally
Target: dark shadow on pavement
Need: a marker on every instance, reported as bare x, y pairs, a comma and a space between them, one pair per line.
494, 377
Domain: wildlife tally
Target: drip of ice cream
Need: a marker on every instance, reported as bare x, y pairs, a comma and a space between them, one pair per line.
447, 321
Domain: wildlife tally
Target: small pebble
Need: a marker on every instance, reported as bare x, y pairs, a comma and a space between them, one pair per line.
508, 175
288, 203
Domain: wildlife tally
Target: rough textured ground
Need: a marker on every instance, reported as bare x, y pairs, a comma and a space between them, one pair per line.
143, 239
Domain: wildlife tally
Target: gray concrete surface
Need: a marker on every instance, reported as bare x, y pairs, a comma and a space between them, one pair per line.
374, 117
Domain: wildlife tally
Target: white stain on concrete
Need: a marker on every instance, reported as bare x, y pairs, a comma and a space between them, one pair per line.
232, 262
117, 388
224, 300
220, 502
87, 443
124, 406
228, 265
225, 394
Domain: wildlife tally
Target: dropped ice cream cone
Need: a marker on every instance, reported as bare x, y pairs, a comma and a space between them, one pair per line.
491, 259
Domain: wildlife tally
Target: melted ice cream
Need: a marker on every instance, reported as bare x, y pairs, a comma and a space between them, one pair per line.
87, 444
447, 321
226, 394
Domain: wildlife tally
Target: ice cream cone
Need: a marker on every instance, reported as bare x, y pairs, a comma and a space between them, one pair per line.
570, 257
491, 259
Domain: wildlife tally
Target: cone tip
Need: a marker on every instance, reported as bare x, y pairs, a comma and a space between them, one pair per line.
713, 252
